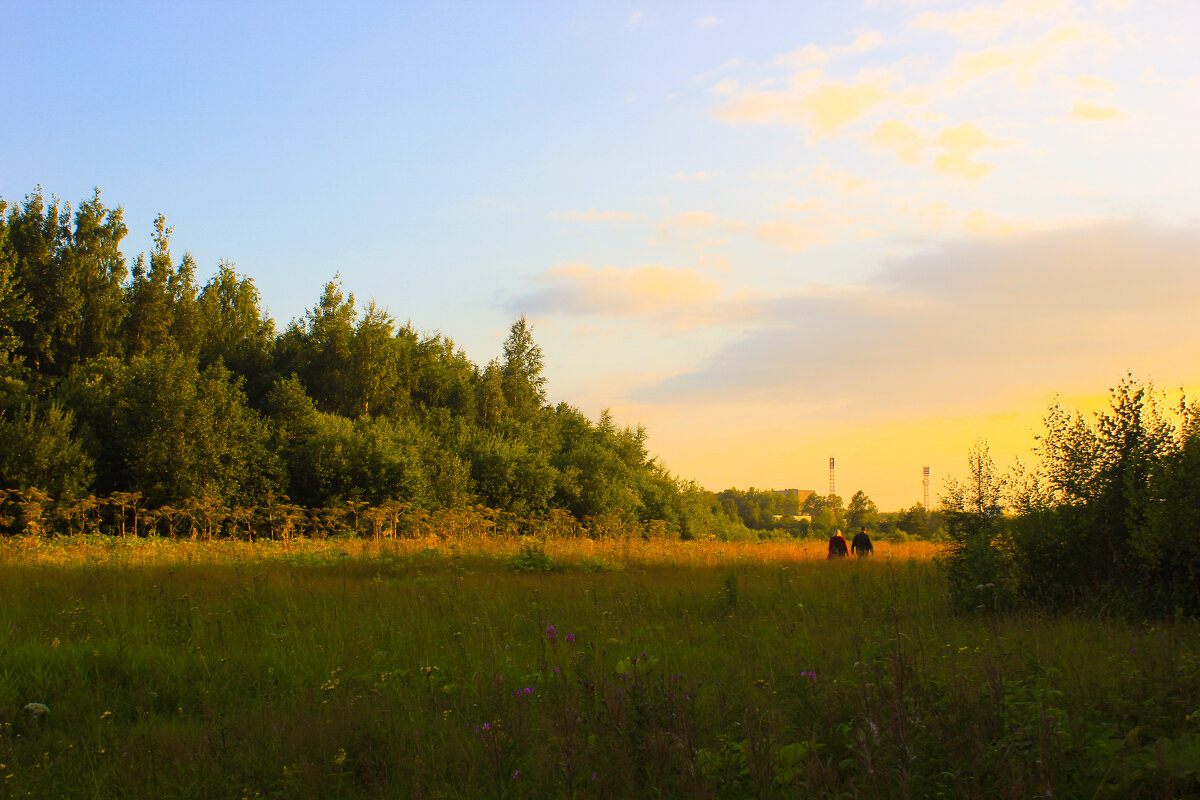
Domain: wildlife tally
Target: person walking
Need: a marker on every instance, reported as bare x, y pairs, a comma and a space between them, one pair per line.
837, 546
862, 546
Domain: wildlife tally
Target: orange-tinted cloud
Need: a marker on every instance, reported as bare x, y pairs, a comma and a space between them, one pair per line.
958, 147
1082, 111
902, 139
1062, 310
651, 293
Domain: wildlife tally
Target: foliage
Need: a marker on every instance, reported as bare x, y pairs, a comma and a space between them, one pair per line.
976, 557
1106, 519
118, 380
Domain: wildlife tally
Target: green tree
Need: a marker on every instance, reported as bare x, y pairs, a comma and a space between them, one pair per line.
184, 433
374, 374
38, 449
523, 383
160, 301
861, 512
234, 330
73, 277
15, 310
318, 350
976, 558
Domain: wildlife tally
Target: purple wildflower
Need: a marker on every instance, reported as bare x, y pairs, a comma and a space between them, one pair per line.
516, 774
570, 637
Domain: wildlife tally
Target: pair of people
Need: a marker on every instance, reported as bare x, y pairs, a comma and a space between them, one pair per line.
861, 546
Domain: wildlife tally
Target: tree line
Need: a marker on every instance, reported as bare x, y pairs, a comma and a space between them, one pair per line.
130, 385
806, 513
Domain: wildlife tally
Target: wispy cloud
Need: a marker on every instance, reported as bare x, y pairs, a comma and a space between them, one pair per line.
652, 293
1067, 308
986, 20
823, 106
693, 223
706, 22
1082, 111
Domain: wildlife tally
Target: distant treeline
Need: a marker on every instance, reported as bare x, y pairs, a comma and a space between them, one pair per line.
131, 385
806, 513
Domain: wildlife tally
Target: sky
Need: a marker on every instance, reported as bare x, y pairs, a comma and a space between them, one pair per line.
771, 233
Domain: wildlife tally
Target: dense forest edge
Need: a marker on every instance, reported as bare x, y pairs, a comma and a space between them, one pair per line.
135, 400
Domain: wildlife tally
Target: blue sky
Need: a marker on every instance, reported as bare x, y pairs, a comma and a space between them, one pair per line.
771, 232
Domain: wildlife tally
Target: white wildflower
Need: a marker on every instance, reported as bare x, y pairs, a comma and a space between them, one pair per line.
37, 709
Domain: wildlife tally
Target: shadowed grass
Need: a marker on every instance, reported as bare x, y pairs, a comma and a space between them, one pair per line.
348, 668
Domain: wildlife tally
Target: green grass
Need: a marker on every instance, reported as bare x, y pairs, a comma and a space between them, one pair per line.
433, 673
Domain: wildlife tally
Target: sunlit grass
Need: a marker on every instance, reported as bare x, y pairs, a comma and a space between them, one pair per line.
99, 550
577, 668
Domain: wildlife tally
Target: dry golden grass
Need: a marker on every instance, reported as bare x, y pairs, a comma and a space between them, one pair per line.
112, 551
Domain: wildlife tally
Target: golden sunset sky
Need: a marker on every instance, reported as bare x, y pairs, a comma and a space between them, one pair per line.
769, 232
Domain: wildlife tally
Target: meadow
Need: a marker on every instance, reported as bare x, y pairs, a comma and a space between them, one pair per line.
499, 667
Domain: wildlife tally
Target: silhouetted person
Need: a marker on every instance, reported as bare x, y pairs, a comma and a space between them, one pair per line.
862, 546
837, 546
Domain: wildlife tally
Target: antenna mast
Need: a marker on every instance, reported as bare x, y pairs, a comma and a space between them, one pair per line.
925, 483
831, 489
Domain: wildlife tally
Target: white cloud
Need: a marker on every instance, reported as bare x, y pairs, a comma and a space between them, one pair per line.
810, 55
693, 223
707, 21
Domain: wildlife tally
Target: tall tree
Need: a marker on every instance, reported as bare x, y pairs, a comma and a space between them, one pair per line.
318, 349
74, 278
862, 512
15, 310
234, 330
521, 375
161, 300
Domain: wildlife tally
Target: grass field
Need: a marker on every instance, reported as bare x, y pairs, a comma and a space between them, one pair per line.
577, 668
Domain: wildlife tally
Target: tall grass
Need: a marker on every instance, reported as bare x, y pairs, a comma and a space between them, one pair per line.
579, 668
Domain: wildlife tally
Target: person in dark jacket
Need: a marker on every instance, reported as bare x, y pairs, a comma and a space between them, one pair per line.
862, 546
837, 546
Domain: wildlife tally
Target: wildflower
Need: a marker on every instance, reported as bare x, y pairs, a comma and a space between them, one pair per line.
551, 633
570, 637
528, 690
812, 676
516, 774
37, 709
106, 715
761, 683
340, 756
